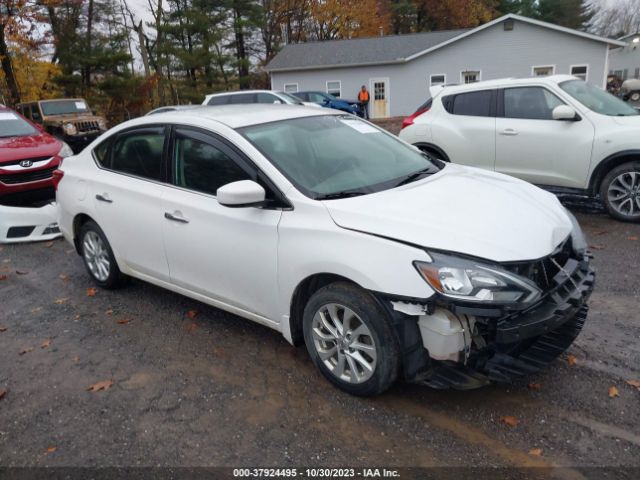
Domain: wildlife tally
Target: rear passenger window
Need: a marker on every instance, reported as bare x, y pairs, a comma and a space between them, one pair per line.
139, 153
244, 98
221, 100
201, 166
476, 104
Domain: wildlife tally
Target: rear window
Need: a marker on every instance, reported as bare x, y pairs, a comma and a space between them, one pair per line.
475, 104
12, 125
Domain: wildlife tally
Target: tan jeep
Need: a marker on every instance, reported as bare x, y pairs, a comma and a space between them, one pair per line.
69, 119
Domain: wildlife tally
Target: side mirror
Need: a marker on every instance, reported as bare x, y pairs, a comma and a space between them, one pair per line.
564, 112
244, 193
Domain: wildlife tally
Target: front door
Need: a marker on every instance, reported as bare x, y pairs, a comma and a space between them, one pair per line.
532, 146
226, 254
379, 93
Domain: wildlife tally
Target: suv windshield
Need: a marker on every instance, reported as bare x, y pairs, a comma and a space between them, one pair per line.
596, 99
334, 156
11, 125
62, 107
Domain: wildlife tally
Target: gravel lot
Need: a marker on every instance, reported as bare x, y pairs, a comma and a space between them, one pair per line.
216, 390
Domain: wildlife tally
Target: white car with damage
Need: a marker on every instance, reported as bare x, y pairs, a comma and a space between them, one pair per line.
386, 263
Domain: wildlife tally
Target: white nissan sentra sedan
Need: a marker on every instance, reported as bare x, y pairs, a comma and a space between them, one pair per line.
385, 262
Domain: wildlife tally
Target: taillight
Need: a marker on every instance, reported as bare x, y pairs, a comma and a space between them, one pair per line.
409, 120
57, 176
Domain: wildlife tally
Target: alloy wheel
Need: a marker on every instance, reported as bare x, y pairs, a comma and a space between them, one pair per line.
344, 343
635, 96
624, 193
96, 256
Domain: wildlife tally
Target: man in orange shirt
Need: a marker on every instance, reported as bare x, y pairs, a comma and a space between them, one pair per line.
363, 98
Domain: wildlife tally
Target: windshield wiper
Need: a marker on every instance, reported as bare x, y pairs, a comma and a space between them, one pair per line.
337, 195
415, 175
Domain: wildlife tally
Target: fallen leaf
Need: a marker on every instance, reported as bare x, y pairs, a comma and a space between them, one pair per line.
103, 385
613, 392
191, 327
64, 277
191, 314
51, 449
46, 343
6, 260
509, 420
600, 232
596, 247
20, 272
123, 321
219, 352
76, 359
536, 452
48, 244
109, 311
3, 328
572, 360
633, 383
25, 350
91, 292
3, 393
633, 238
77, 317
60, 301
36, 310
3, 277
534, 386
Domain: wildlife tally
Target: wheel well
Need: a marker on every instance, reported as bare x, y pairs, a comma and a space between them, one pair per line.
609, 164
434, 150
78, 221
301, 296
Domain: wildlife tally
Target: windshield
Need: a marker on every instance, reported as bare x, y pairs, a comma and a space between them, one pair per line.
294, 100
596, 99
337, 155
11, 125
61, 107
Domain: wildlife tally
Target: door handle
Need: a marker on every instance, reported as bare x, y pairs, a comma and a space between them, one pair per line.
509, 132
176, 217
104, 198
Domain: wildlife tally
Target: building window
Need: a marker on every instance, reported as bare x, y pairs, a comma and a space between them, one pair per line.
333, 88
291, 87
543, 71
439, 79
580, 71
470, 76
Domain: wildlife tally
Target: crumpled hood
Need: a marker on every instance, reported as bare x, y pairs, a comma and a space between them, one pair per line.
465, 210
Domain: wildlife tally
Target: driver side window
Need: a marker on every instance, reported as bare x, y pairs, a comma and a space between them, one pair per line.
535, 103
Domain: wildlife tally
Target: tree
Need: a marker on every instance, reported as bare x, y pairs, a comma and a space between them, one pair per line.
568, 13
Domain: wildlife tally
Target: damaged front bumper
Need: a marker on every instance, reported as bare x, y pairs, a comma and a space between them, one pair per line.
463, 346
28, 224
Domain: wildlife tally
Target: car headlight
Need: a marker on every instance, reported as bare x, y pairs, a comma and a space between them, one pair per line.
476, 281
102, 124
69, 129
65, 151
578, 242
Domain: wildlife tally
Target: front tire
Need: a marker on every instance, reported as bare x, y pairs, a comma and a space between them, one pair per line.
350, 339
620, 192
98, 257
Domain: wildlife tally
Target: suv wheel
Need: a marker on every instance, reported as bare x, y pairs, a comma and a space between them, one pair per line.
620, 192
634, 97
350, 339
98, 257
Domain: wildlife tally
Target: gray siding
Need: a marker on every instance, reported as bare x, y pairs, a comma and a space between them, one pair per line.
493, 51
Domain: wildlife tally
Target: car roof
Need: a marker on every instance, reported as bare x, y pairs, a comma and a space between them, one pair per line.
505, 82
244, 115
237, 92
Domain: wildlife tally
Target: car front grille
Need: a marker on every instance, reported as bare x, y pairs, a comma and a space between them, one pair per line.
543, 271
26, 177
33, 159
87, 126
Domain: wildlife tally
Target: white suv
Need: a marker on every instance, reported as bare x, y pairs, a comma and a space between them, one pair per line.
384, 262
557, 132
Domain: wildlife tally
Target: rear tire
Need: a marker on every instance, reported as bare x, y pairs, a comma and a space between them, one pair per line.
350, 339
620, 192
634, 97
98, 257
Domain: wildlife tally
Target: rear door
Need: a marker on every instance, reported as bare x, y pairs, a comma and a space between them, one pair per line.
127, 191
465, 128
532, 146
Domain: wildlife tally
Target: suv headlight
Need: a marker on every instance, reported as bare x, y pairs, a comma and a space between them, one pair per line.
69, 129
476, 281
102, 124
65, 151
578, 242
